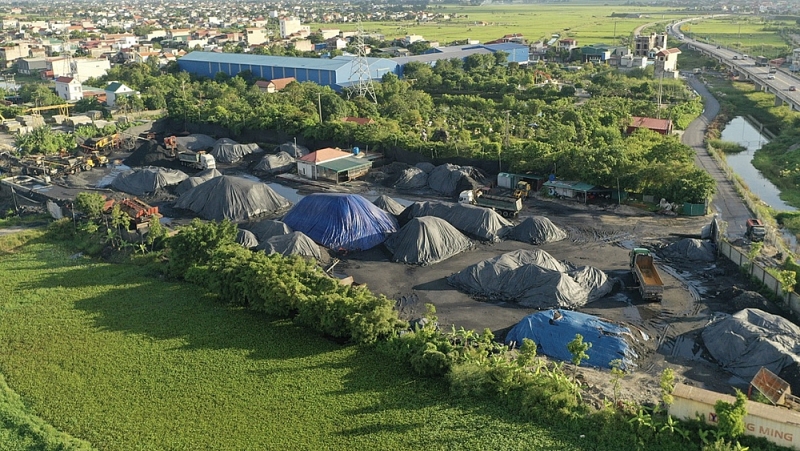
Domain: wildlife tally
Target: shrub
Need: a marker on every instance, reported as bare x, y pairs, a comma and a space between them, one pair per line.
196, 243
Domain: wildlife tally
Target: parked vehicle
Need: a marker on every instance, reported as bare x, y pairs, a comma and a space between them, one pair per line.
756, 231
506, 206
644, 271
197, 160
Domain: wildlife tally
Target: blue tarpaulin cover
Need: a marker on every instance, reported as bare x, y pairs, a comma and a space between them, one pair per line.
552, 335
341, 221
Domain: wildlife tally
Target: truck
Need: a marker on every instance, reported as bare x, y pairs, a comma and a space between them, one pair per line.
644, 271
197, 160
761, 61
506, 206
756, 231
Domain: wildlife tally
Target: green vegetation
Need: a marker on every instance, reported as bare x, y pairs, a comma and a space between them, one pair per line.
726, 146
44, 140
589, 24
752, 35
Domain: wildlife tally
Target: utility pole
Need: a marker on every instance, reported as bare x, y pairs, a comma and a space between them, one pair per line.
319, 104
505, 144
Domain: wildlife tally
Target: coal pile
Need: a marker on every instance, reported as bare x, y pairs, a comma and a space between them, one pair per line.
150, 153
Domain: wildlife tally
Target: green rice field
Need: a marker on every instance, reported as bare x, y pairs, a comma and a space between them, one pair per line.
112, 355
588, 24
747, 34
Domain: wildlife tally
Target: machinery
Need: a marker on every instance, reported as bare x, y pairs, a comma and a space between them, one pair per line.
139, 212
756, 231
171, 144
197, 160
506, 206
644, 271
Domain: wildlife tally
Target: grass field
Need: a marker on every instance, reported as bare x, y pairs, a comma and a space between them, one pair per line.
750, 35
109, 354
588, 23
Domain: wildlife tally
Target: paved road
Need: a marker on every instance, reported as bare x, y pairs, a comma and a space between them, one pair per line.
726, 202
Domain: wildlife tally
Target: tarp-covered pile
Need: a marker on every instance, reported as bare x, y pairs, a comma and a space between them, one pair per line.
150, 153
445, 178
195, 142
691, 249
537, 230
532, 279
482, 223
233, 198
275, 164
345, 222
268, 228
389, 205
426, 240
552, 330
143, 181
747, 340
292, 149
246, 238
412, 178
200, 177
425, 166
227, 150
295, 243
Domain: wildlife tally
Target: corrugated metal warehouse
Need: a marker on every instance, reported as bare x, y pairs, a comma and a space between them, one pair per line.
335, 72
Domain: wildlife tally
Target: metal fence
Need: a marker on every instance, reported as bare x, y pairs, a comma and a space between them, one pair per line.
792, 301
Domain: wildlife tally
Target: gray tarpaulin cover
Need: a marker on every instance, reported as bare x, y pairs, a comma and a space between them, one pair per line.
292, 149
531, 278
295, 243
691, 249
481, 223
389, 205
200, 177
233, 198
246, 238
275, 164
425, 166
267, 228
227, 150
142, 181
747, 340
196, 141
426, 240
444, 179
537, 230
412, 178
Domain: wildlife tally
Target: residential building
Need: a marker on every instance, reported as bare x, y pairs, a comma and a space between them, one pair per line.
303, 45
329, 33
116, 89
86, 68
272, 86
13, 51
666, 63
289, 26
662, 126
643, 43
69, 89
332, 165
28, 66
256, 36
566, 45
358, 120
412, 38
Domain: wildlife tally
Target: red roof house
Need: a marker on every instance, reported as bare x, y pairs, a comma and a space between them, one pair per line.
663, 126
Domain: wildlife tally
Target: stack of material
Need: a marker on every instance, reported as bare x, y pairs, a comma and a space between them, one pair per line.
553, 330
267, 228
229, 151
246, 238
445, 178
389, 205
143, 181
232, 198
426, 240
78, 119
31, 120
744, 342
94, 114
200, 177
412, 178
275, 164
477, 222
691, 249
295, 243
195, 142
532, 279
292, 149
149, 153
342, 222
425, 166
537, 230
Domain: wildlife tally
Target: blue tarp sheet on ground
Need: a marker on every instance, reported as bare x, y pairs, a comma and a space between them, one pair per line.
341, 221
551, 337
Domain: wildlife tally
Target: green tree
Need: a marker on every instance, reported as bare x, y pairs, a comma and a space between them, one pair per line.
577, 347
195, 244
91, 204
731, 416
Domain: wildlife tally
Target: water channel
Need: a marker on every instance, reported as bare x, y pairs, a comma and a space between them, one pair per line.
742, 132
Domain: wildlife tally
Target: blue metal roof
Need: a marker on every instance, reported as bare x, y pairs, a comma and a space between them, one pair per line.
505, 47
263, 60
433, 57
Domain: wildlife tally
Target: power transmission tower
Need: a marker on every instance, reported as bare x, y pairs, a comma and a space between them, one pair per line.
359, 72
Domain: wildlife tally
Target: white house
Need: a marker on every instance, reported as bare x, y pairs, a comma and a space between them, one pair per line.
69, 89
116, 89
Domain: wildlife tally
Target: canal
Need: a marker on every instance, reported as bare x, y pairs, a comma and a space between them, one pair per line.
739, 130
